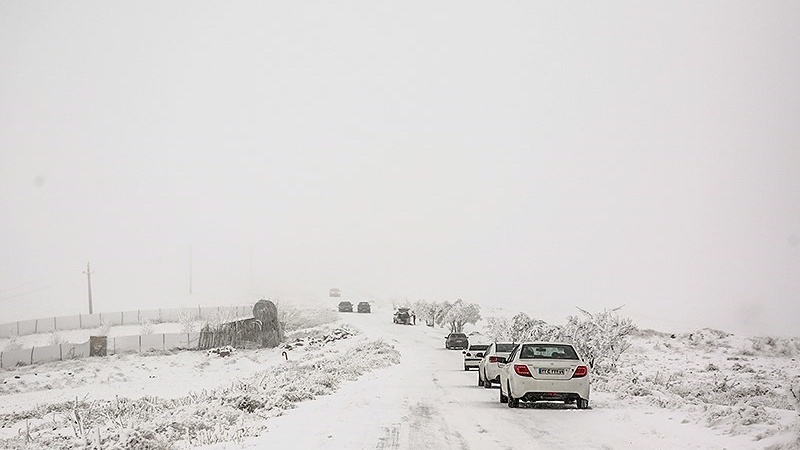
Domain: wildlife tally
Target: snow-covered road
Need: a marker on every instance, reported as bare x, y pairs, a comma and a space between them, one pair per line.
429, 402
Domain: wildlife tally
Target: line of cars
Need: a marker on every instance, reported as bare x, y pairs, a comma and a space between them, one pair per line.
528, 371
363, 307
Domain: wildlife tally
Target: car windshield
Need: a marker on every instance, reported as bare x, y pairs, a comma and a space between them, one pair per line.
458, 336
504, 348
478, 348
547, 351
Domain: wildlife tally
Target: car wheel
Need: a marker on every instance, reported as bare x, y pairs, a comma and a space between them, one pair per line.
480, 380
466, 368
582, 403
487, 383
503, 398
512, 402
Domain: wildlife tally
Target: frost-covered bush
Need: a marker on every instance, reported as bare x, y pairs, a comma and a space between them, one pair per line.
13, 343
56, 338
601, 338
147, 327
187, 320
775, 346
793, 393
105, 328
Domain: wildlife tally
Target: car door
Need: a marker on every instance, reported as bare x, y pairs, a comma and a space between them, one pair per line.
504, 367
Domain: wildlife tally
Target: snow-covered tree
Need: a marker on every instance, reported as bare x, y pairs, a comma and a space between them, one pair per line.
600, 338
426, 311
455, 315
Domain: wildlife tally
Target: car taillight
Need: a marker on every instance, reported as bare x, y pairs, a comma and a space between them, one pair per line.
493, 359
522, 370
580, 371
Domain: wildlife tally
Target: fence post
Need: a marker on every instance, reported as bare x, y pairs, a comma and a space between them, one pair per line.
36, 326
17, 328
122, 317
163, 341
139, 315
1, 360
80, 321
140, 343
61, 352
55, 324
32, 349
199, 313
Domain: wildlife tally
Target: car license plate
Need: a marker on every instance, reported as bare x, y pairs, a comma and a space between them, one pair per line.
546, 371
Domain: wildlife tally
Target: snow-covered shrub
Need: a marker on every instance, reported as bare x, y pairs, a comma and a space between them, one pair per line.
13, 343
187, 320
793, 393
104, 329
224, 351
56, 338
601, 338
141, 439
147, 327
775, 346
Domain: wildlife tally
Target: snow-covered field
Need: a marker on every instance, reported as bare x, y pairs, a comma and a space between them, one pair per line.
358, 381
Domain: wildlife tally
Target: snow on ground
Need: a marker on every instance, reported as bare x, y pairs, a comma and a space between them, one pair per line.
702, 390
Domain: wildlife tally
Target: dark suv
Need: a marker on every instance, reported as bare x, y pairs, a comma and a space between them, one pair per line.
363, 307
345, 307
457, 341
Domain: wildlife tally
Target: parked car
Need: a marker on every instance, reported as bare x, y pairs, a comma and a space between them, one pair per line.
457, 341
473, 355
402, 316
544, 371
488, 372
345, 307
363, 307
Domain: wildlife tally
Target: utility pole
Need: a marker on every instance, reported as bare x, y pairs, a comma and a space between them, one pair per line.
89, 282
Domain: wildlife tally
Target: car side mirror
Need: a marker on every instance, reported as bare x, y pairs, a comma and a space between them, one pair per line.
464, 352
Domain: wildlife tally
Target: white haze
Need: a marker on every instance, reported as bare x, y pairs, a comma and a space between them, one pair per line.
533, 155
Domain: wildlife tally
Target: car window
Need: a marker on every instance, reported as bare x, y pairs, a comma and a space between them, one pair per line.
505, 347
547, 351
478, 348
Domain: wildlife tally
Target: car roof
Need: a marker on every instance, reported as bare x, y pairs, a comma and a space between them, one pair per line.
545, 343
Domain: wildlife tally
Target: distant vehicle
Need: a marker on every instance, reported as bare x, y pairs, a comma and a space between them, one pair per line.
334, 292
456, 341
345, 307
544, 371
402, 316
363, 307
488, 372
473, 355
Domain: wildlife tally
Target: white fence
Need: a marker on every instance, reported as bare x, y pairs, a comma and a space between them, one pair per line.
84, 321
116, 345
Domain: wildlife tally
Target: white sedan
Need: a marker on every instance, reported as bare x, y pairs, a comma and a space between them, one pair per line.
488, 372
544, 371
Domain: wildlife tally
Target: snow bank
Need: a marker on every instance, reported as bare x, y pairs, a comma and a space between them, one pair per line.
226, 413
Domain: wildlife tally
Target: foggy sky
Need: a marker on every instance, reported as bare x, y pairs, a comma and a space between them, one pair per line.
533, 155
